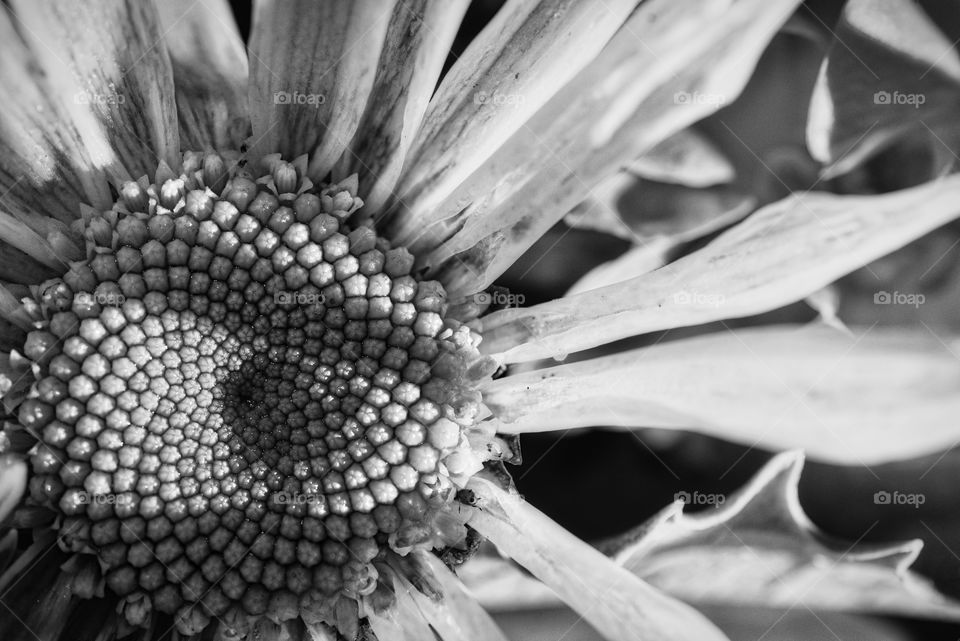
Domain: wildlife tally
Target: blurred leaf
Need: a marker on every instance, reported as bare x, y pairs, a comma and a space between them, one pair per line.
890, 71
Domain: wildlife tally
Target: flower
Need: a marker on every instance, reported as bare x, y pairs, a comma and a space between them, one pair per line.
254, 385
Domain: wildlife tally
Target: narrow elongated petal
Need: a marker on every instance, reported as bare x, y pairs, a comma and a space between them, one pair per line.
618, 604
109, 67
520, 60
45, 171
455, 614
760, 548
209, 72
13, 482
779, 255
628, 100
312, 65
845, 399
420, 33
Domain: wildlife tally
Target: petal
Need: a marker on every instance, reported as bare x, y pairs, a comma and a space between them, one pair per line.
517, 63
107, 63
36, 595
312, 66
618, 604
780, 254
842, 398
418, 39
13, 483
44, 169
891, 70
657, 217
209, 72
456, 615
694, 57
758, 548
685, 158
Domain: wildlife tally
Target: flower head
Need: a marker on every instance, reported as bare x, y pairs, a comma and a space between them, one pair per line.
253, 384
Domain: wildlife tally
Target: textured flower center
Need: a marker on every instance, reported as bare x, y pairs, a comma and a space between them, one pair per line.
237, 400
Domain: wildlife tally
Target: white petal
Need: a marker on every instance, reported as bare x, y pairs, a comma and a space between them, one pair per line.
695, 55
845, 399
209, 72
779, 255
107, 63
517, 63
417, 42
618, 604
312, 65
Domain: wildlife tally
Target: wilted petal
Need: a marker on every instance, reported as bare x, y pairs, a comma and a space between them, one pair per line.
890, 70
615, 602
759, 548
630, 98
209, 72
312, 66
109, 67
779, 255
842, 398
420, 33
517, 63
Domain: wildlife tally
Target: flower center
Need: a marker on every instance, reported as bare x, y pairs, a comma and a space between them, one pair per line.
238, 398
